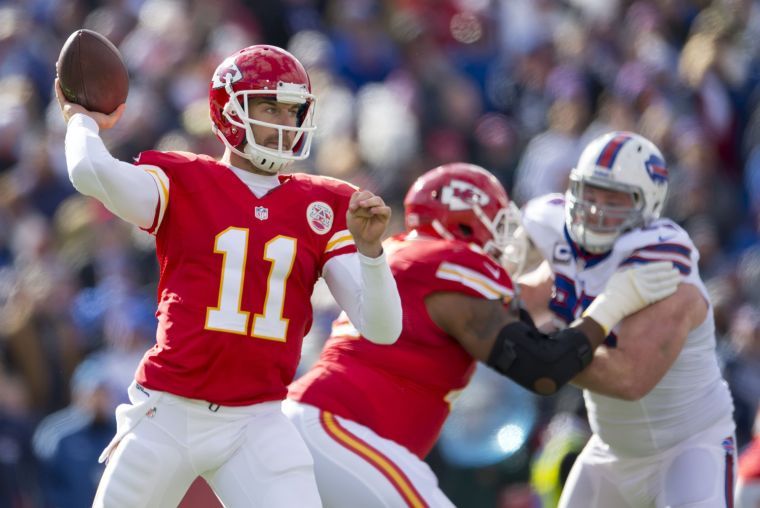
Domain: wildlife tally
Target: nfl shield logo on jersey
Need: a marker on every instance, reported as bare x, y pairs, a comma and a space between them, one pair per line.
319, 215
261, 212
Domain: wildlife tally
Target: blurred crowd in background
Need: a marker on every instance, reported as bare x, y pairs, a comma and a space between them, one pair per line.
517, 86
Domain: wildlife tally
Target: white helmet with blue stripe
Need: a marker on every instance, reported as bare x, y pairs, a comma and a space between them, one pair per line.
617, 161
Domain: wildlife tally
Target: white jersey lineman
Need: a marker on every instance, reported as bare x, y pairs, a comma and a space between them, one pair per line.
637, 441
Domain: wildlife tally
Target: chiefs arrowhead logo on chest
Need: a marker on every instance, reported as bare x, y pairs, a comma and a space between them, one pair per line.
320, 217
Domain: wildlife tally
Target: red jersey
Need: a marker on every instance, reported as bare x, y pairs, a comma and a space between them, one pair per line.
403, 392
749, 462
236, 278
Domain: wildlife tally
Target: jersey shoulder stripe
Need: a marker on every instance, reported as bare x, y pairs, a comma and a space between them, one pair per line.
474, 280
339, 240
669, 247
162, 184
661, 241
685, 269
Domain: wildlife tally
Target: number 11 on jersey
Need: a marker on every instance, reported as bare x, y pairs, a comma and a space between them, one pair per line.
228, 316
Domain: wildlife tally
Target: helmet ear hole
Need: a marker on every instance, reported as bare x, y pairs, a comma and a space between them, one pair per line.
638, 198
465, 230
301, 114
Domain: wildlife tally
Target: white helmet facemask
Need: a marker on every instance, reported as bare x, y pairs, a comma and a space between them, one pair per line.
502, 228
595, 227
515, 257
269, 159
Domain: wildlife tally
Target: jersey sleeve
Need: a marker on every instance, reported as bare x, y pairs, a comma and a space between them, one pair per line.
123, 188
465, 271
543, 219
341, 242
161, 167
662, 241
337, 195
162, 184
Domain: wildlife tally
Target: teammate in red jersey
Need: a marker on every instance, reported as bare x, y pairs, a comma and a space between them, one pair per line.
370, 414
748, 477
240, 248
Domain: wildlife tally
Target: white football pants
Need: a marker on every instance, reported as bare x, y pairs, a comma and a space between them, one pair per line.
251, 456
357, 468
699, 472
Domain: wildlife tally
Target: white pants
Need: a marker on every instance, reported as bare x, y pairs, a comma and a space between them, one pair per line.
252, 456
697, 473
357, 468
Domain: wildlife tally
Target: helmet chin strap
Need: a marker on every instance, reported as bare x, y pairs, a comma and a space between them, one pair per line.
446, 235
438, 227
249, 154
267, 163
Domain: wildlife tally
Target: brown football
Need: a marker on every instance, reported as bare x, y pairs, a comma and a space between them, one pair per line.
91, 72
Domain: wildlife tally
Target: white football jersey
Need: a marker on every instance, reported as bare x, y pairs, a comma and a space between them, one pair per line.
692, 395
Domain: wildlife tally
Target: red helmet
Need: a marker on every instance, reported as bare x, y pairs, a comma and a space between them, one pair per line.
464, 202
261, 71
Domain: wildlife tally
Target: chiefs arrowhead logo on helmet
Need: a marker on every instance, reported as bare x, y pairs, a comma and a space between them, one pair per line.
227, 71
463, 202
461, 195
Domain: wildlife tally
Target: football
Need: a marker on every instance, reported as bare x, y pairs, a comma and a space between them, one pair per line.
91, 72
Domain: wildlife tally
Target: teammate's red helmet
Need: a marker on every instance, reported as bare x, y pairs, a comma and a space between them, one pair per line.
464, 202
261, 71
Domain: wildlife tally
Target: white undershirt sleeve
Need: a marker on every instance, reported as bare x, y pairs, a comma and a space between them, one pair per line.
364, 287
128, 191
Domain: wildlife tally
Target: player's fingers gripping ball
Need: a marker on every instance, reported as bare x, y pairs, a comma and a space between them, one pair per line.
69, 109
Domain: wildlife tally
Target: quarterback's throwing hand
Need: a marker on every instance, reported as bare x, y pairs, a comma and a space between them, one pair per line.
69, 109
367, 218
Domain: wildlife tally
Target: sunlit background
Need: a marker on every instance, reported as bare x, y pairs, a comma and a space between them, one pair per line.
517, 86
